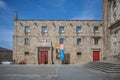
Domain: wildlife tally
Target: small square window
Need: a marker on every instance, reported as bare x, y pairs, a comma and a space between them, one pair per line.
78, 53
26, 53
27, 41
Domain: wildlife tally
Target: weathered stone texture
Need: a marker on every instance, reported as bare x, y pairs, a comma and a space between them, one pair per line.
111, 23
36, 39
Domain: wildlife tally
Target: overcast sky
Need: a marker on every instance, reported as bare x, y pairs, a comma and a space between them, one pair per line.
44, 9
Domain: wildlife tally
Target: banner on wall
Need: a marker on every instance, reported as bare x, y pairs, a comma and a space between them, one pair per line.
61, 54
62, 46
57, 46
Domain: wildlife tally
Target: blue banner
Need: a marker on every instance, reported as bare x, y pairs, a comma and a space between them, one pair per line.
61, 54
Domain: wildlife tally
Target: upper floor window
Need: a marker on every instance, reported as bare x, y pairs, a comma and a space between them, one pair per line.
61, 29
78, 29
27, 41
44, 29
96, 41
78, 41
61, 40
27, 29
96, 30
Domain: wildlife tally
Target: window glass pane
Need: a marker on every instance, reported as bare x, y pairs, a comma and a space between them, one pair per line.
78, 41
61, 29
95, 29
27, 41
78, 29
27, 29
96, 41
78, 53
26, 53
44, 29
61, 40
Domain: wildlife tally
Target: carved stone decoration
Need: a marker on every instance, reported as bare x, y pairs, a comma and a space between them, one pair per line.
44, 43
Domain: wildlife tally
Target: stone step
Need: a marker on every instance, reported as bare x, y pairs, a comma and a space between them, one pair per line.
104, 67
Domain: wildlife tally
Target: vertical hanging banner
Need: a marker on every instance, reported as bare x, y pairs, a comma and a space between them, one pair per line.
61, 46
57, 51
61, 54
57, 46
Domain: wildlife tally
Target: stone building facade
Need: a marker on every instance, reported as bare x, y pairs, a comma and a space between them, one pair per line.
36, 41
111, 29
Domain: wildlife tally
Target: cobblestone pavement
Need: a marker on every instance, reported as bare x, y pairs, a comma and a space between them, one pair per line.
52, 72
28, 72
75, 72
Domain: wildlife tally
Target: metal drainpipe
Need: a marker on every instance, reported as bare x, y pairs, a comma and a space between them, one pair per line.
52, 54
16, 41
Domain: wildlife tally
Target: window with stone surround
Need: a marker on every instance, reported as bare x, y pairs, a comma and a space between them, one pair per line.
61, 40
26, 53
78, 41
27, 41
61, 30
44, 29
78, 29
27, 29
79, 53
96, 30
96, 41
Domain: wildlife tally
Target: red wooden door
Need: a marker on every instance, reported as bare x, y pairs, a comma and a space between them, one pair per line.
96, 55
44, 57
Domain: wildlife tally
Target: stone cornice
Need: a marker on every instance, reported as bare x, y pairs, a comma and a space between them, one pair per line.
56, 20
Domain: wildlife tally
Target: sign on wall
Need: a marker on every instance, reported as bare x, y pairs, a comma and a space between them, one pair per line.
44, 43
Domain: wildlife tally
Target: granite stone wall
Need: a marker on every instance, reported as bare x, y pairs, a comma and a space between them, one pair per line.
38, 40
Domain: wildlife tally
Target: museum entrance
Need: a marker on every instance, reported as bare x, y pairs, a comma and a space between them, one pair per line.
43, 55
96, 55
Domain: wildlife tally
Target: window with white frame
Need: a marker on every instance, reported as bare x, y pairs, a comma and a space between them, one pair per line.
78, 29
44, 29
27, 29
61, 29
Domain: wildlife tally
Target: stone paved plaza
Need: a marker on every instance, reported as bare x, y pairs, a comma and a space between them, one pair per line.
52, 72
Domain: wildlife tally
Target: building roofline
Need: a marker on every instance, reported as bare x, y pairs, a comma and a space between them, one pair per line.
54, 20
